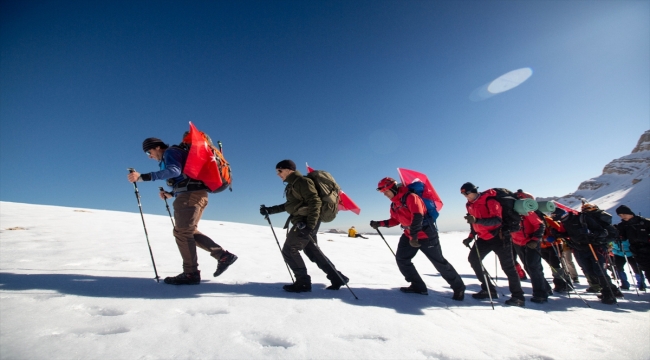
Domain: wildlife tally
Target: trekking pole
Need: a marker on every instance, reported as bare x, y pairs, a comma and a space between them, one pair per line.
332, 266
487, 285
137, 196
636, 285
568, 283
167, 205
602, 272
496, 271
609, 263
382, 237
563, 265
640, 273
277, 242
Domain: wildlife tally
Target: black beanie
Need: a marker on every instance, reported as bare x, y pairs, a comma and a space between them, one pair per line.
468, 187
286, 164
152, 143
624, 210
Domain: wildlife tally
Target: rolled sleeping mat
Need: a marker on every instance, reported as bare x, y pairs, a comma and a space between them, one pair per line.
525, 206
546, 206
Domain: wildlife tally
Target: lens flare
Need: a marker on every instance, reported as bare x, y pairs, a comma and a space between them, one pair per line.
503, 83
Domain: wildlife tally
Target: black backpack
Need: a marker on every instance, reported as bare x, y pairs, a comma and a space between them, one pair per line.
510, 219
604, 219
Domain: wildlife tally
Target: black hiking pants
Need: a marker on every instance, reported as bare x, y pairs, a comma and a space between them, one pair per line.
431, 249
503, 250
594, 267
560, 277
533, 264
291, 253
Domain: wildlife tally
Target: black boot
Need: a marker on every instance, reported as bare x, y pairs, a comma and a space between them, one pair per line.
483, 294
336, 282
184, 279
224, 262
459, 294
422, 290
515, 302
301, 285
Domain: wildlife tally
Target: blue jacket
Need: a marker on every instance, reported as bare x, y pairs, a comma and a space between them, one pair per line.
171, 166
616, 250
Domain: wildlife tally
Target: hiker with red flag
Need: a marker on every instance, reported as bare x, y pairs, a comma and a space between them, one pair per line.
191, 200
484, 214
409, 210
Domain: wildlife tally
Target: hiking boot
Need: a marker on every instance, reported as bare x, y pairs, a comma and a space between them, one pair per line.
576, 280
483, 294
225, 261
607, 298
593, 289
617, 292
184, 279
298, 287
560, 289
539, 299
336, 284
459, 294
414, 290
515, 302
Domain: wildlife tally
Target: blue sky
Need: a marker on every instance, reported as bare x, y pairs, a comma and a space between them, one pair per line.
357, 88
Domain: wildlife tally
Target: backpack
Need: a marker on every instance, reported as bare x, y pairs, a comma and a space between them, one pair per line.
510, 219
417, 188
603, 219
328, 192
222, 164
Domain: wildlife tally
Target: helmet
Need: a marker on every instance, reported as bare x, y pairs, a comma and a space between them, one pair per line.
524, 195
386, 183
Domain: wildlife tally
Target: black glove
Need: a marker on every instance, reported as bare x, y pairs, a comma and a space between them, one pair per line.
264, 210
470, 219
302, 229
532, 244
375, 224
468, 241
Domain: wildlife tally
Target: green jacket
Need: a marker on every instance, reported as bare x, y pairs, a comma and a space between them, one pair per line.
303, 203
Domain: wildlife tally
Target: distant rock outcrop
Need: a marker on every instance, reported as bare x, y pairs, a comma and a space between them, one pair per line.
625, 180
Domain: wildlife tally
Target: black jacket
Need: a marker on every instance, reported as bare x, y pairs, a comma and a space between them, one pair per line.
637, 230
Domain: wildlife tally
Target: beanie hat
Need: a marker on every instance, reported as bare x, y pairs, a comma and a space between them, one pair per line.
468, 187
286, 164
152, 143
624, 210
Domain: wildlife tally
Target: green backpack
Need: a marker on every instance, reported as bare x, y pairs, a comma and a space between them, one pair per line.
328, 192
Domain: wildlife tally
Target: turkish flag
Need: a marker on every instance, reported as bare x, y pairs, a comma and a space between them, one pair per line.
345, 203
410, 176
201, 163
566, 208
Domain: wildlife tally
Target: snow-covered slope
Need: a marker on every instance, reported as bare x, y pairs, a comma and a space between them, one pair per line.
77, 284
624, 181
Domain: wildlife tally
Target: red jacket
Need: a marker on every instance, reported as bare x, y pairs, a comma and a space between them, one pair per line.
487, 212
404, 215
532, 229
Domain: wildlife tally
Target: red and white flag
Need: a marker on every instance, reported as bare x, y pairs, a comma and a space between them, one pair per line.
410, 176
201, 163
345, 203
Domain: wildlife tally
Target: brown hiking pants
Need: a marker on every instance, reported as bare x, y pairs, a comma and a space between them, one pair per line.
188, 209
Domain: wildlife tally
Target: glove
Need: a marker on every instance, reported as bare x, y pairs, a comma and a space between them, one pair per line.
264, 210
532, 244
302, 229
550, 239
415, 243
375, 224
470, 219
468, 241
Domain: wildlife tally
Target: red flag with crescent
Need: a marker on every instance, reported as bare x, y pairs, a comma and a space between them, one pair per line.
410, 176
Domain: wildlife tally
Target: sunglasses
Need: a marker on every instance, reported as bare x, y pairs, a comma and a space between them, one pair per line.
279, 170
148, 153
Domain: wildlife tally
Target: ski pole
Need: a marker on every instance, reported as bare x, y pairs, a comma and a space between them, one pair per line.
636, 285
487, 284
612, 266
277, 242
566, 278
137, 196
496, 271
602, 272
382, 237
332, 266
167, 205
